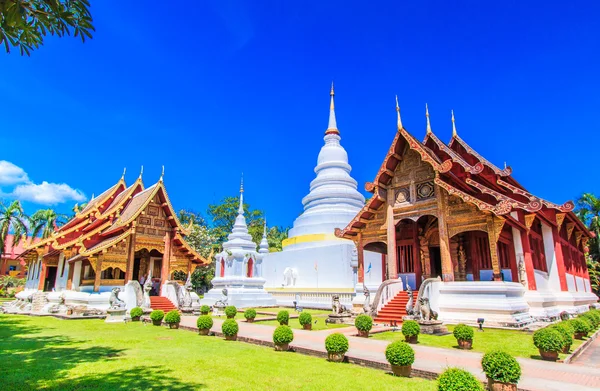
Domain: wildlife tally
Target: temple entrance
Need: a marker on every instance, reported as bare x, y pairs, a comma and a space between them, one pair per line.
136, 269
435, 262
50, 278
148, 264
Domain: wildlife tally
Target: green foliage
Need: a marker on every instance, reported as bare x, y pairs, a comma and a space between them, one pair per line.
501, 366
25, 23
12, 217
283, 317
12, 282
283, 335
173, 317
566, 332
588, 211
305, 318
410, 328
204, 322
136, 312
592, 318
230, 327
400, 353
250, 313
204, 309
548, 339
455, 379
230, 311
581, 325
157, 315
336, 343
363, 322
45, 221
463, 332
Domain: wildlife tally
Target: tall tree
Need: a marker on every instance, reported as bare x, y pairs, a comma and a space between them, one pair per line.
45, 222
223, 216
25, 23
12, 220
588, 211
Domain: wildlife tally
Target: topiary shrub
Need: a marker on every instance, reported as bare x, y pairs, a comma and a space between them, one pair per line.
157, 316
364, 324
501, 367
305, 320
549, 342
282, 336
400, 354
581, 327
455, 379
283, 317
566, 332
591, 318
411, 331
336, 345
595, 314
204, 310
172, 319
230, 311
464, 335
230, 329
204, 323
250, 314
136, 313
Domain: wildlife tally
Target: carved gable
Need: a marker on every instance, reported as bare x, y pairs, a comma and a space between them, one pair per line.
413, 180
153, 221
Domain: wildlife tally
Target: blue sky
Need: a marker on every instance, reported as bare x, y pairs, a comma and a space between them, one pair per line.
212, 89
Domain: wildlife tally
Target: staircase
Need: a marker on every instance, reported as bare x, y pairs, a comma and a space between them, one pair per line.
161, 303
394, 310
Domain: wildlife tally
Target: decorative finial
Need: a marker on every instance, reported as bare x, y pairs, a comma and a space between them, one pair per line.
242, 184
454, 134
332, 128
124, 171
92, 196
427, 116
241, 207
332, 93
265, 228
505, 165
398, 112
141, 172
162, 174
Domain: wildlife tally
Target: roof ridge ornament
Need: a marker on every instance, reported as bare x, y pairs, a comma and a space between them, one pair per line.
124, 171
454, 133
162, 174
332, 127
141, 172
398, 113
427, 116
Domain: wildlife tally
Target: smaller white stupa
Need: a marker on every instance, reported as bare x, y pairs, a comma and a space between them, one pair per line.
238, 268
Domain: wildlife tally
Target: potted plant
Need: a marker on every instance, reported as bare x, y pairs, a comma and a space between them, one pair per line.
204, 323
591, 318
581, 327
172, 319
364, 324
283, 317
250, 314
157, 316
136, 313
455, 379
549, 342
336, 345
411, 331
305, 320
230, 329
401, 357
502, 370
566, 332
464, 336
204, 310
282, 336
230, 311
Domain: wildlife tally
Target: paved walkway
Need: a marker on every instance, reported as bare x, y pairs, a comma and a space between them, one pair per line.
537, 375
591, 356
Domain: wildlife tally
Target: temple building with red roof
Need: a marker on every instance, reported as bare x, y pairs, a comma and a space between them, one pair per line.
443, 211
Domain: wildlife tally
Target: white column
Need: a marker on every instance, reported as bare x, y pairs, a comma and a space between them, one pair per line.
553, 278
76, 275
151, 266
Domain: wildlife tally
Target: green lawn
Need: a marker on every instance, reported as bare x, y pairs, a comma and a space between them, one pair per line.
6, 299
295, 324
517, 343
292, 311
45, 353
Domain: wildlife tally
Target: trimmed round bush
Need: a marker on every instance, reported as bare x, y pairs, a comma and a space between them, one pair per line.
400, 353
336, 343
591, 318
410, 328
283, 317
204, 322
463, 332
204, 309
305, 318
230, 327
230, 311
136, 312
363, 322
501, 367
173, 317
455, 379
283, 335
250, 313
581, 325
595, 314
157, 315
565, 331
548, 340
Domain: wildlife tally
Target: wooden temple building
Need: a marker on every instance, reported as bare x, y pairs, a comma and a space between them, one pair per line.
124, 234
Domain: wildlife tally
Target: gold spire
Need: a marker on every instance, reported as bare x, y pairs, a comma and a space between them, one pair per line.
398, 111
454, 134
427, 116
332, 127
124, 171
141, 172
242, 184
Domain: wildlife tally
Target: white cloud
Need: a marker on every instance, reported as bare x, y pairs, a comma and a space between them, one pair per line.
44, 193
11, 174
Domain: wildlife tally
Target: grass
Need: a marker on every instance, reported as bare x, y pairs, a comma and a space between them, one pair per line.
295, 324
6, 299
45, 353
275, 310
515, 342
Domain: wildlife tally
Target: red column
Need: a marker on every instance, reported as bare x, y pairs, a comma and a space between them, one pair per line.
560, 261
3, 267
528, 261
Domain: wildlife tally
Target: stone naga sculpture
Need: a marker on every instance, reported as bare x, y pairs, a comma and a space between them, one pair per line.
186, 297
410, 304
147, 289
367, 304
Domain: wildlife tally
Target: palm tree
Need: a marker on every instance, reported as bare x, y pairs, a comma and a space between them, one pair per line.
12, 220
46, 221
588, 211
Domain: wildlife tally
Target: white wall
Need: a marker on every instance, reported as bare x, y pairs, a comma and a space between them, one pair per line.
76, 275
551, 262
